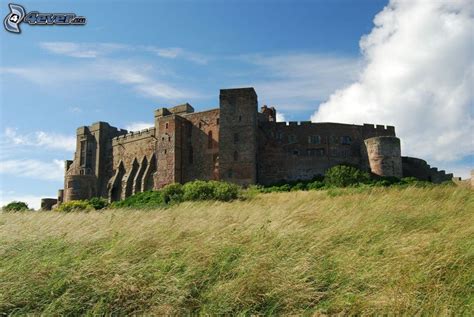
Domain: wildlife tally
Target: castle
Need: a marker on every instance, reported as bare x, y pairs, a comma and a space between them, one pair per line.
234, 143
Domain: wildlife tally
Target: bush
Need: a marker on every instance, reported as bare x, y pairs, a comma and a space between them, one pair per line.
298, 186
343, 176
98, 203
148, 199
210, 190
15, 206
75, 205
172, 193
198, 190
315, 185
413, 181
224, 191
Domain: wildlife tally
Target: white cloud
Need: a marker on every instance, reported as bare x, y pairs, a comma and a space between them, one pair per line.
138, 126
75, 109
140, 77
42, 139
418, 76
280, 117
177, 52
94, 50
53, 170
82, 50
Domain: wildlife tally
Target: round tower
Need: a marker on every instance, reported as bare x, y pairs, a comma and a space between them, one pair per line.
384, 156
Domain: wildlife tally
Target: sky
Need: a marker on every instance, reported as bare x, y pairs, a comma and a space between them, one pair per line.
402, 63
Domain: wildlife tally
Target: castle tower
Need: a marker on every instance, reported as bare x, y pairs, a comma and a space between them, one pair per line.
238, 136
384, 156
169, 134
87, 175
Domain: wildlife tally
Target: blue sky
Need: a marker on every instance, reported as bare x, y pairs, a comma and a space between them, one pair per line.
135, 56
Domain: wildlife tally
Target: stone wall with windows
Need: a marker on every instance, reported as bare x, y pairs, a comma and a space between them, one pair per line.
301, 150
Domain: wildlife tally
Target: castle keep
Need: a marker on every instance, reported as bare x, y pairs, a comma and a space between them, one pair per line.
235, 142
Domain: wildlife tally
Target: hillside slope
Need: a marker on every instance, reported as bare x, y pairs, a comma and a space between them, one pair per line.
351, 251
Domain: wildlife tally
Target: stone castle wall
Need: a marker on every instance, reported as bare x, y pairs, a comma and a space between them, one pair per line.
234, 142
301, 150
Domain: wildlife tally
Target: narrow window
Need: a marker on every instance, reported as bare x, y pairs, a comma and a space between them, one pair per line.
165, 151
166, 125
82, 159
217, 121
191, 154
200, 125
209, 140
240, 118
346, 140
291, 138
236, 137
314, 139
236, 156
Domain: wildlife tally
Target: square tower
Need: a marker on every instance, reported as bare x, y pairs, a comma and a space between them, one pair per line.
238, 136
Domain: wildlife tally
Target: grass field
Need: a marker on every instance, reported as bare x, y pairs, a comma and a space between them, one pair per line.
350, 251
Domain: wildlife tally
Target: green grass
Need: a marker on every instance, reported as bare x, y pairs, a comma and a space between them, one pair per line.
350, 251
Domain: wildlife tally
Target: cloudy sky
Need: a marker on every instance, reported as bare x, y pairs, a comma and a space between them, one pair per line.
402, 63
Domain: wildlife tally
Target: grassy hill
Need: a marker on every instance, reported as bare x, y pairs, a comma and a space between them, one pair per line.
367, 251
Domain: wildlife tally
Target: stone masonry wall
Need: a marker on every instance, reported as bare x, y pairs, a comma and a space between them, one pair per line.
297, 151
238, 135
200, 146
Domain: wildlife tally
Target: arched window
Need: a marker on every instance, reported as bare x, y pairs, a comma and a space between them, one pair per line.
236, 156
209, 140
236, 137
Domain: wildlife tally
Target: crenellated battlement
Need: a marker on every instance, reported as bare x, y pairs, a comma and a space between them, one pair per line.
366, 126
134, 136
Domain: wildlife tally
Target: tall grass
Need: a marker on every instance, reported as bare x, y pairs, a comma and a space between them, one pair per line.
366, 251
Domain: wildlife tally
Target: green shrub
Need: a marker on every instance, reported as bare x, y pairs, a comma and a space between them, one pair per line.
198, 190
148, 199
15, 206
298, 186
98, 203
315, 185
413, 181
382, 183
173, 193
210, 190
75, 205
343, 176
224, 191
